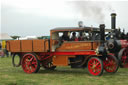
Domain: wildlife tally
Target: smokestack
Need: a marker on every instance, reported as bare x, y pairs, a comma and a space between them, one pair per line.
113, 21
102, 32
80, 24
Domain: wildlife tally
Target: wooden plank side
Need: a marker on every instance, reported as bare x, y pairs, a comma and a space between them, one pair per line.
14, 46
46, 47
26, 45
38, 45
75, 46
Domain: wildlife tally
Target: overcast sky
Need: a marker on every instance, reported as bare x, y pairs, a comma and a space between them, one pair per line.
37, 17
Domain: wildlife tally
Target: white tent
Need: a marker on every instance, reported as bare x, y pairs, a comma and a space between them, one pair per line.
28, 38
4, 36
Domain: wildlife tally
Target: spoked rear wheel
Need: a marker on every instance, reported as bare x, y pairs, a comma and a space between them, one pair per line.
124, 59
30, 63
111, 64
95, 66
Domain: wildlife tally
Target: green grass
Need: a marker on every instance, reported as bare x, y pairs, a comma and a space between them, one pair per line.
10, 75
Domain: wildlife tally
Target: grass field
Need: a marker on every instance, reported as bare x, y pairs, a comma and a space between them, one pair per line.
10, 75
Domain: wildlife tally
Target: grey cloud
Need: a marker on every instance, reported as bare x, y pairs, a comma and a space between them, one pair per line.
93, 10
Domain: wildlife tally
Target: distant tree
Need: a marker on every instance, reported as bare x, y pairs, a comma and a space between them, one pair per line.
41, 37
44, 37
15, 37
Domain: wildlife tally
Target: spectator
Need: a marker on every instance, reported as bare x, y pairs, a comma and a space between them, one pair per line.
65, 36
74, 38
6, 52
0, 46
80, 38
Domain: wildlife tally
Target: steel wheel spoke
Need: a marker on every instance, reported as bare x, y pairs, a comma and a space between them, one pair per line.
111, 64
95, 67
29, 63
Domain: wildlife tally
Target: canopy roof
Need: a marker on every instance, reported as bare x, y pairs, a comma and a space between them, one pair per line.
94, 29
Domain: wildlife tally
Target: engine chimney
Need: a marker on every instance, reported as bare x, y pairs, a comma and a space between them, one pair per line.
113, 21
102, 32
80, 24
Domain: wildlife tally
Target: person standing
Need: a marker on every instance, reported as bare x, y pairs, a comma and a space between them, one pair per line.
80, 38
0, 46
65, 37
74, 38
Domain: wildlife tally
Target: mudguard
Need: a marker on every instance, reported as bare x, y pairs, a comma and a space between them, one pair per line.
120, 53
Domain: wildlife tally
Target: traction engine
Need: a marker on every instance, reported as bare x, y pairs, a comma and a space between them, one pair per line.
118, 44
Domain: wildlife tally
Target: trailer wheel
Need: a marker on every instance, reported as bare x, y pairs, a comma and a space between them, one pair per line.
111, 64
95, 66
30, 63
49, 66
14, 63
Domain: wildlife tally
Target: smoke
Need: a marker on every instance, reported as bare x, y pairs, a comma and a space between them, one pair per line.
91, 10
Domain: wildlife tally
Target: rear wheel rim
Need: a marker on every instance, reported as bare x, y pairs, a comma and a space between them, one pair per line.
29, 63
110, 64
94, 66
124, 58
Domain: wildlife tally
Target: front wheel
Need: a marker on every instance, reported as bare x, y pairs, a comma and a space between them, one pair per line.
111, 64
95, 66
30, 63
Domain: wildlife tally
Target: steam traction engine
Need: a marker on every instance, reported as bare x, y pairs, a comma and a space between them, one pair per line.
118, 45
49, 53
96, 52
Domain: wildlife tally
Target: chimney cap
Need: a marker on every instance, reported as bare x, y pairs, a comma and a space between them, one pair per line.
102, 25
80, 24
113, 14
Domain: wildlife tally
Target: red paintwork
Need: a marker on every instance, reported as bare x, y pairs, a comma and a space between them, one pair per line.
69, 53
126, 65
110, 64
75, 53
50, 54
124, 59
124, 43
29, 63
94, 66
